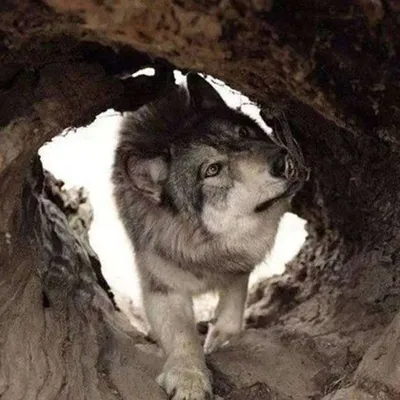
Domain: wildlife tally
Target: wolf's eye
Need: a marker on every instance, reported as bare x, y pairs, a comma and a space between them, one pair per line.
212, 170
244, 133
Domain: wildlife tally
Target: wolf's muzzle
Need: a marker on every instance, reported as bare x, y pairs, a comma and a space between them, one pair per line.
296, 169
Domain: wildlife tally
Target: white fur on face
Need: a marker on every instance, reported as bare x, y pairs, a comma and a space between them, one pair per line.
253, 185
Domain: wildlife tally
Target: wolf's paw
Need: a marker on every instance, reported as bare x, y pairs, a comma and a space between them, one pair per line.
183, 383
218, 336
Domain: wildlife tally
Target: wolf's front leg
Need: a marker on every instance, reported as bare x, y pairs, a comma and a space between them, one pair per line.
185, 375
229, 314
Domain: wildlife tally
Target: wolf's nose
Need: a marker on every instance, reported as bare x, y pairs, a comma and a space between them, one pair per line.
278, 164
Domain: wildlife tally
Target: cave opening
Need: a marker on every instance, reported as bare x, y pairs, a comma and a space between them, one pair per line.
81, 160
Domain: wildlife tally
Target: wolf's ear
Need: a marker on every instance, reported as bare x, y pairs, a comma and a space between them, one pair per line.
147, 175
202, 95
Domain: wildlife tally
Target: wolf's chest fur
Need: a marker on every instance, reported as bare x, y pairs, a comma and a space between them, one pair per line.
185, 259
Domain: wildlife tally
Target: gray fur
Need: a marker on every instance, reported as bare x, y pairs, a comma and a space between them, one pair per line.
193, 233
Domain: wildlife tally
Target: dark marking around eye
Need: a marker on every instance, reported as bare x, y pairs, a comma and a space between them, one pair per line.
212, 170
253, 133
244, 132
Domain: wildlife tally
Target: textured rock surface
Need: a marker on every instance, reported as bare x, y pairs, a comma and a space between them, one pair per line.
325, 330
61, 337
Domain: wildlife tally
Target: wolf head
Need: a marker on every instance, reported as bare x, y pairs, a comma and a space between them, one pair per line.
189, 153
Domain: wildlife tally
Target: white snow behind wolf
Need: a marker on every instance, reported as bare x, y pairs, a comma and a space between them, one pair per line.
200, 189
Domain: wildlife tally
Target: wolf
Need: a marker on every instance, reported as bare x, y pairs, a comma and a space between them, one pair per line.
200, 189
